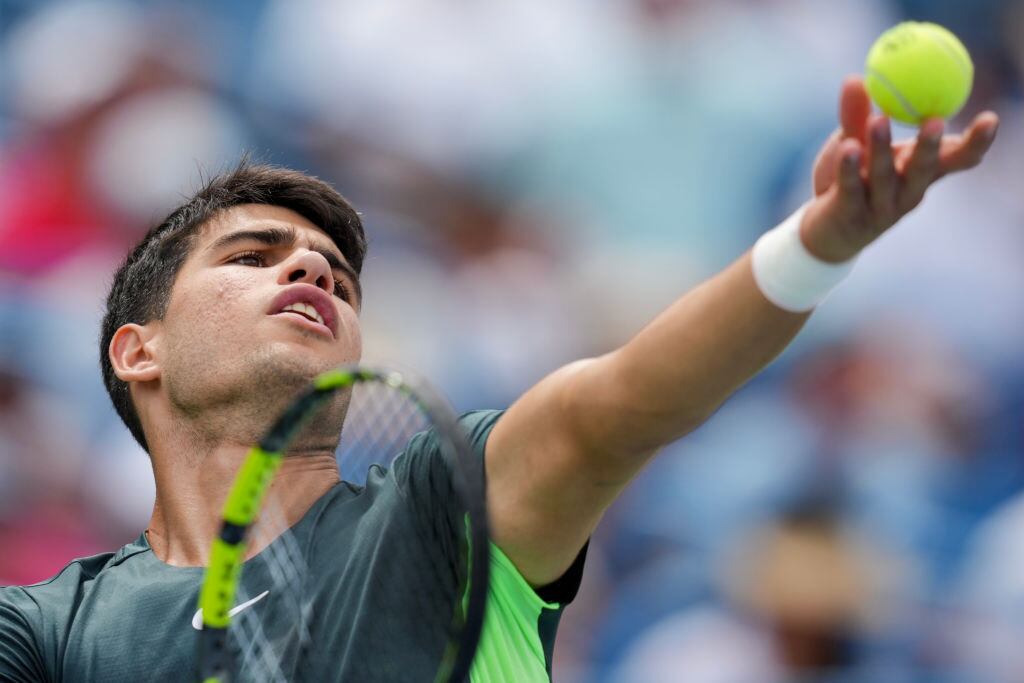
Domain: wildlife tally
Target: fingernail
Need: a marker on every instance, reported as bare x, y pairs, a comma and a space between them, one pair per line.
852, 158
880, 129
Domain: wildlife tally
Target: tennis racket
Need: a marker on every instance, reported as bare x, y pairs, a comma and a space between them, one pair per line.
445, 540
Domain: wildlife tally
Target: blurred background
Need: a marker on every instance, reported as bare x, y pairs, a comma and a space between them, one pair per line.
538, 179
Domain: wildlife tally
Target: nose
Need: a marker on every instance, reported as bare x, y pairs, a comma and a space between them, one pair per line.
308, 267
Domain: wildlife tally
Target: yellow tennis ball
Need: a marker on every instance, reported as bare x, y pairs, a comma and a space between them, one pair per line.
917, 70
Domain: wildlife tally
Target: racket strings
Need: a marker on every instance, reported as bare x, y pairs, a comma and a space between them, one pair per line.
380, 422
262, 657
379, 425
258, 660
289, 572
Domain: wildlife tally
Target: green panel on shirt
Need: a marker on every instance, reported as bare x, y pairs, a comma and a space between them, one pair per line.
510, 646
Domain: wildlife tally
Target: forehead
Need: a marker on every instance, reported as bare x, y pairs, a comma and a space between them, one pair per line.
257, 216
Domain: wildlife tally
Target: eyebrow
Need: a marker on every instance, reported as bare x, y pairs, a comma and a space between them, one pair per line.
288, 237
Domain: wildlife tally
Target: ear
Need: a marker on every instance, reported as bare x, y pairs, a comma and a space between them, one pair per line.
133, 352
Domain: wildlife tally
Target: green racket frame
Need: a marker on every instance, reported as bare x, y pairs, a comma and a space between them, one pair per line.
250, 485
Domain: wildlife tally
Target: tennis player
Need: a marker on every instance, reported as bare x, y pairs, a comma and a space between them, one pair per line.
251, 288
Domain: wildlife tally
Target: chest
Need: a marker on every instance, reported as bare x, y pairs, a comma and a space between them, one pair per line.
131, 630
355, 608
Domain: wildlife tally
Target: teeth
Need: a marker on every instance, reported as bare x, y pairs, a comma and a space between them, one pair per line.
306, 310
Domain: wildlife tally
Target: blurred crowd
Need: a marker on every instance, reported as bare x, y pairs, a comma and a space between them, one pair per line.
538, 179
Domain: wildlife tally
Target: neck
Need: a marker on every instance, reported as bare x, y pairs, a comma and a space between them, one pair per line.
191, 493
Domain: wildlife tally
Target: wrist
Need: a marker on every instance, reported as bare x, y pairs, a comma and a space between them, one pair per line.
824, 242
788, 273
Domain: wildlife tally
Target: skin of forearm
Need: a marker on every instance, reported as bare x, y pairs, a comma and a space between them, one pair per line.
683, 365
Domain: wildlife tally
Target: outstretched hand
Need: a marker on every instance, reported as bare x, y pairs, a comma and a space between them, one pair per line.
864, 183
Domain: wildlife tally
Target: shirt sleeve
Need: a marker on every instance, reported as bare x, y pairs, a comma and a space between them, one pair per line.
426, 482
518, 635
20, 658
424, 471
421, 471
478, 425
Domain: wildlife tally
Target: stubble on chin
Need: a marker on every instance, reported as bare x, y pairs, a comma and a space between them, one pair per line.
239, 398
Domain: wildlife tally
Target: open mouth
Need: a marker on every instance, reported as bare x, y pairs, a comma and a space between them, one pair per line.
308, 322
308, 306
306, 311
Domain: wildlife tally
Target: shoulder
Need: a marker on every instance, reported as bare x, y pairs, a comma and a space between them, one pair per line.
40, 605
475, 424
32, 617
79, 571
67, 580
22, 655
420, 460
478, 425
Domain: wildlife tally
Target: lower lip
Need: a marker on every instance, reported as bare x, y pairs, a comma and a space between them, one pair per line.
303, 321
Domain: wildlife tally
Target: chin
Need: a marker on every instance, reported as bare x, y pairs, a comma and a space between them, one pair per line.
300, 361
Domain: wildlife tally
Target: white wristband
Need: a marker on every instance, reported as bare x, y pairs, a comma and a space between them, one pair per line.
790, 276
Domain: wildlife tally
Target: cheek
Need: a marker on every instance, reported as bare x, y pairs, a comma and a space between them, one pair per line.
211, 305
230, 288
351, 334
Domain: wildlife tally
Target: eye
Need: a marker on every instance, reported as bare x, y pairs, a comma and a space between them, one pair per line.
248, 258
341, 290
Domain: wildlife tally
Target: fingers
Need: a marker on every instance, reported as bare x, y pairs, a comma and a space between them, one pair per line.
922, 168
883, 182
854, 108
869, 182
836, 220
961, 152
825, 164
852, 191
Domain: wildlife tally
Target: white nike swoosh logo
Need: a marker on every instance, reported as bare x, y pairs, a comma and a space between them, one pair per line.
197, 620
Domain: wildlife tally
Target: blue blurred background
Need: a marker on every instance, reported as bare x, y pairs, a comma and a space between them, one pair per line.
538, 179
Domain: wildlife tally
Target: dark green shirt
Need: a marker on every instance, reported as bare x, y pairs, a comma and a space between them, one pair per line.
127, 616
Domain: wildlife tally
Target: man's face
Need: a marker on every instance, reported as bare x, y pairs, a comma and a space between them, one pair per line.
264, 302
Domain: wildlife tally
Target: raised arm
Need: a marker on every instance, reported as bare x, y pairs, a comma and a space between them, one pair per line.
569, 446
